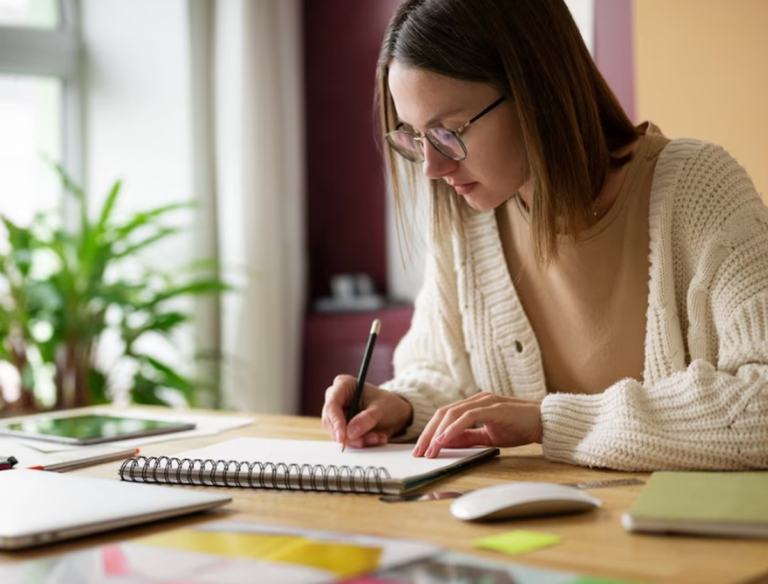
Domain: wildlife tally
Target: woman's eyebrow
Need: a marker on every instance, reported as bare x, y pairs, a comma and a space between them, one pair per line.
434, 119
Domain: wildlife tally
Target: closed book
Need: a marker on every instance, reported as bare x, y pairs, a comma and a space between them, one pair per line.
64, 458
730, 504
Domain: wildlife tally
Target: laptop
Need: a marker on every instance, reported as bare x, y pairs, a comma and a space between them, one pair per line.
41, 507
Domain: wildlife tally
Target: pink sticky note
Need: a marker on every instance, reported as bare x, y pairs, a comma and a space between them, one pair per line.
114, 560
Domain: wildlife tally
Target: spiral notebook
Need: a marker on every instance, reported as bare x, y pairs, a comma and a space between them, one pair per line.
303, 465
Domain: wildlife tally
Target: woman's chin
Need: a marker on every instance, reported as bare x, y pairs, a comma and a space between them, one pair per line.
481, 203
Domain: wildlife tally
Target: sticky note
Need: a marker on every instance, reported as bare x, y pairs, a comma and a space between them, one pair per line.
341, 559
115, 562
517, 542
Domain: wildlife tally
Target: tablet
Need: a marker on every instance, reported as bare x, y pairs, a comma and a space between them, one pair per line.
90, 428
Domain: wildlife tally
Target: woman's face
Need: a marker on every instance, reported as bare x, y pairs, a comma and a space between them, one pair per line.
495, 166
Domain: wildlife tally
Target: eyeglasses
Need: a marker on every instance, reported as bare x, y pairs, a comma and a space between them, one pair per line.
446, 142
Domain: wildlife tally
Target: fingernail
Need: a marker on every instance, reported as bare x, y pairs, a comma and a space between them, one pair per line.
440, 438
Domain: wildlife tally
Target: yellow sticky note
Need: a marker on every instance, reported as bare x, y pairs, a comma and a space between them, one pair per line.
339, 558
517, 542
343, 560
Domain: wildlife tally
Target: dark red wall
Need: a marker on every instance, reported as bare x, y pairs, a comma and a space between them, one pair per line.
345, 181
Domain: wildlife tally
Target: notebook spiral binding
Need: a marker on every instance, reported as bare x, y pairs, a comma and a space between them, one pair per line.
222, 473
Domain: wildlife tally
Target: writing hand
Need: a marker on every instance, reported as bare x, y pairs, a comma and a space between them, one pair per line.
503, 421
382, 413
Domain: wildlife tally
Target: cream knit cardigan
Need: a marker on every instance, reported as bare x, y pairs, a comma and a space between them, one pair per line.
703, 403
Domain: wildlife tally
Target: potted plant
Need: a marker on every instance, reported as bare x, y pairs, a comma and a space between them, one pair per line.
63, 288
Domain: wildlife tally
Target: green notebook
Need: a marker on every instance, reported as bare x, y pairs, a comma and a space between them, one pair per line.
733, 504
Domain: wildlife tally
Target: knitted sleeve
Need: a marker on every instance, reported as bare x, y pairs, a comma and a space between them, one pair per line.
710, 410
430, 362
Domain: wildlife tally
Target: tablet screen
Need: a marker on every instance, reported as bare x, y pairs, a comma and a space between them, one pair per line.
90, 428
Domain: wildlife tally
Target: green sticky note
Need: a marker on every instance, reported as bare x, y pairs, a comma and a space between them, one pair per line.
517, 542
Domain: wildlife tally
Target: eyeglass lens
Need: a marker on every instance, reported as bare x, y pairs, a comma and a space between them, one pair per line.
406, 144
445, 141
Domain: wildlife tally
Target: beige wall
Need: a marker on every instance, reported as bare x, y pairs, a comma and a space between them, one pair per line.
702, 72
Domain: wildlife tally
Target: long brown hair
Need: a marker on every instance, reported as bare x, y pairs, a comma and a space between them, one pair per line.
532, 52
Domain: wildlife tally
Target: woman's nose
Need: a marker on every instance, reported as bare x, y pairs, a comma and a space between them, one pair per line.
436, 165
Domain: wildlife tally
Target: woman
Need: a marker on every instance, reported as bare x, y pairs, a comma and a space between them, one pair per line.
590, 285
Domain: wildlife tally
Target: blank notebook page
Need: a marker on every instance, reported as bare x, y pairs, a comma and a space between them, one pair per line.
397, 459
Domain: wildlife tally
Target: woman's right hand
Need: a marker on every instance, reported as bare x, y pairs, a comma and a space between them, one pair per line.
382, 413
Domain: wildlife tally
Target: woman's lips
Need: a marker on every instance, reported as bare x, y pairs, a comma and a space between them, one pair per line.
465, 189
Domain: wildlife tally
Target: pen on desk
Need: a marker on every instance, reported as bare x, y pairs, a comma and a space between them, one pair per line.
354, 406
7, 462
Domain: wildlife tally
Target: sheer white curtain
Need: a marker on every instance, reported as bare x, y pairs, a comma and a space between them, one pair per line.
252, 146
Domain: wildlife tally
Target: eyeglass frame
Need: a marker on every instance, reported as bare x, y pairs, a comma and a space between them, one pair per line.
426, 135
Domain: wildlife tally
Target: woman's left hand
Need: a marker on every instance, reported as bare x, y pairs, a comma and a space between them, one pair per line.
503, 421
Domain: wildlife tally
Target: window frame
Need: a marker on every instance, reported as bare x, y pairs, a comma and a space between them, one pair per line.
40, 52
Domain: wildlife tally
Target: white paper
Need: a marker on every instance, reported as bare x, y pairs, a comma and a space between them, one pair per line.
30, 457
206, 425
397, 459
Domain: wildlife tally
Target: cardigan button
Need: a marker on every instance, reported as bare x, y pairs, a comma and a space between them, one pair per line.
518, 346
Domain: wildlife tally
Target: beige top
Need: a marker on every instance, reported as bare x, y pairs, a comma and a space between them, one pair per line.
588, 308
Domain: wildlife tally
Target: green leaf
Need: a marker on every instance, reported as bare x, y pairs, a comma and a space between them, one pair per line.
97, 386
109, 204
194, 288
122, 294
22, 242
27, 376
146, 392
42, 297
154, 238
147, 218
68, 183
82, 201
168, 377
164, 324
49, 349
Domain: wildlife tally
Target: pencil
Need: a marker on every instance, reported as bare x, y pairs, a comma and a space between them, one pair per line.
354, 406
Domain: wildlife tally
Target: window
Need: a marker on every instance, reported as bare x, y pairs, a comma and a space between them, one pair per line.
29, 13
39, 103
30, 115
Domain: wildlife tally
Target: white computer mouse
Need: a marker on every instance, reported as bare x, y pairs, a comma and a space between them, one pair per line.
521, 499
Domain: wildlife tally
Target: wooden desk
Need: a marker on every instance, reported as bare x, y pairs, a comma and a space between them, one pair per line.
593, 543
